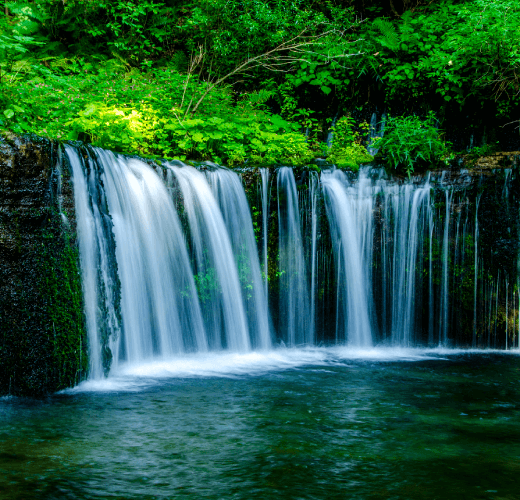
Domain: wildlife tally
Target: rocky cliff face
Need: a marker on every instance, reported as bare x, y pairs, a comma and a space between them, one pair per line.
43, 345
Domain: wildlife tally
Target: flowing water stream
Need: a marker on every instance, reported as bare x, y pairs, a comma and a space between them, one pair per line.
357, 260
285, 337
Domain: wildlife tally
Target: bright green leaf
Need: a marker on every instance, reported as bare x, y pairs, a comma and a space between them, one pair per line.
326, 90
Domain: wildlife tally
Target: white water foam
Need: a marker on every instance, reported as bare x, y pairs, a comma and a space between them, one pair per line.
138, 377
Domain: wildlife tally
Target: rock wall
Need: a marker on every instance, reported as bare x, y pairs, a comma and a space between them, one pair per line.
43, 344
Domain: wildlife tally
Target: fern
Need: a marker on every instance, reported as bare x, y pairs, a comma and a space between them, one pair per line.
387, 29
258, 98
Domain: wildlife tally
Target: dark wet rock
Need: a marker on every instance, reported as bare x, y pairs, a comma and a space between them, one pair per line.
42, 333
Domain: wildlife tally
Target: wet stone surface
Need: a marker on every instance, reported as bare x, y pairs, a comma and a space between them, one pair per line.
38, 275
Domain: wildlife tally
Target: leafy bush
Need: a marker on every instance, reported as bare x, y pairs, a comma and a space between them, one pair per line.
346, 150
230, 138
123, 100
145, 113
411, 141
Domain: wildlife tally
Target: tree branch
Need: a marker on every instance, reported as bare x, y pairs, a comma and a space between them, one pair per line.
278, 59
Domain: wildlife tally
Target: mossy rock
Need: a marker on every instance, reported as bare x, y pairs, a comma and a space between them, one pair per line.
43, 344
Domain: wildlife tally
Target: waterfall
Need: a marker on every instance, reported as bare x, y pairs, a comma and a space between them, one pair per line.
171, 264
431, 304
350, 220
97, 259
313, 189
294, 289
216, 270
476, 274
443, 323
229, 192
264, 173
408, 204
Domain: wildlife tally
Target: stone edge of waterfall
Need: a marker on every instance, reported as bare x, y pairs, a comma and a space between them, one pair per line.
43, 345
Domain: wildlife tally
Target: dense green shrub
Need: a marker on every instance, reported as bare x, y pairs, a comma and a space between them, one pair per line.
148, 113
346, 150
409, 141
231, 137
116, 100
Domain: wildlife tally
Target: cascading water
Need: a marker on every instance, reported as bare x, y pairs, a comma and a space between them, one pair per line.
350, 218
98, 268
264, 173
313, 188
159, 302
215, 267
476, 274
362, 260
443, 314
294, 285
406, 213
229, 192
159, 305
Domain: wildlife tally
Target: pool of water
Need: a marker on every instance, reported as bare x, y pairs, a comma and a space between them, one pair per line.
295, 424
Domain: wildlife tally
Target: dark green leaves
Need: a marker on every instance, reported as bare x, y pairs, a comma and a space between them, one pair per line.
409, 141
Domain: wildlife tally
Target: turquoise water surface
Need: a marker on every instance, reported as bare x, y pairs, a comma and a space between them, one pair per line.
287, 424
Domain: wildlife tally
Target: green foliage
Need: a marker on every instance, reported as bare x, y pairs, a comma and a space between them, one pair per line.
127, 97
67, 68
136, 29
231, 137
14, 44
449, 55
145, 113
230, 30
346, 150
453, 51
410, 141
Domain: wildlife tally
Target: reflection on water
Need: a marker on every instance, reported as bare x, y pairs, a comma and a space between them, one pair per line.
306, 424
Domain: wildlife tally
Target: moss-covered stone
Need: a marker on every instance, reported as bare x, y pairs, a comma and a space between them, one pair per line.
43, 344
